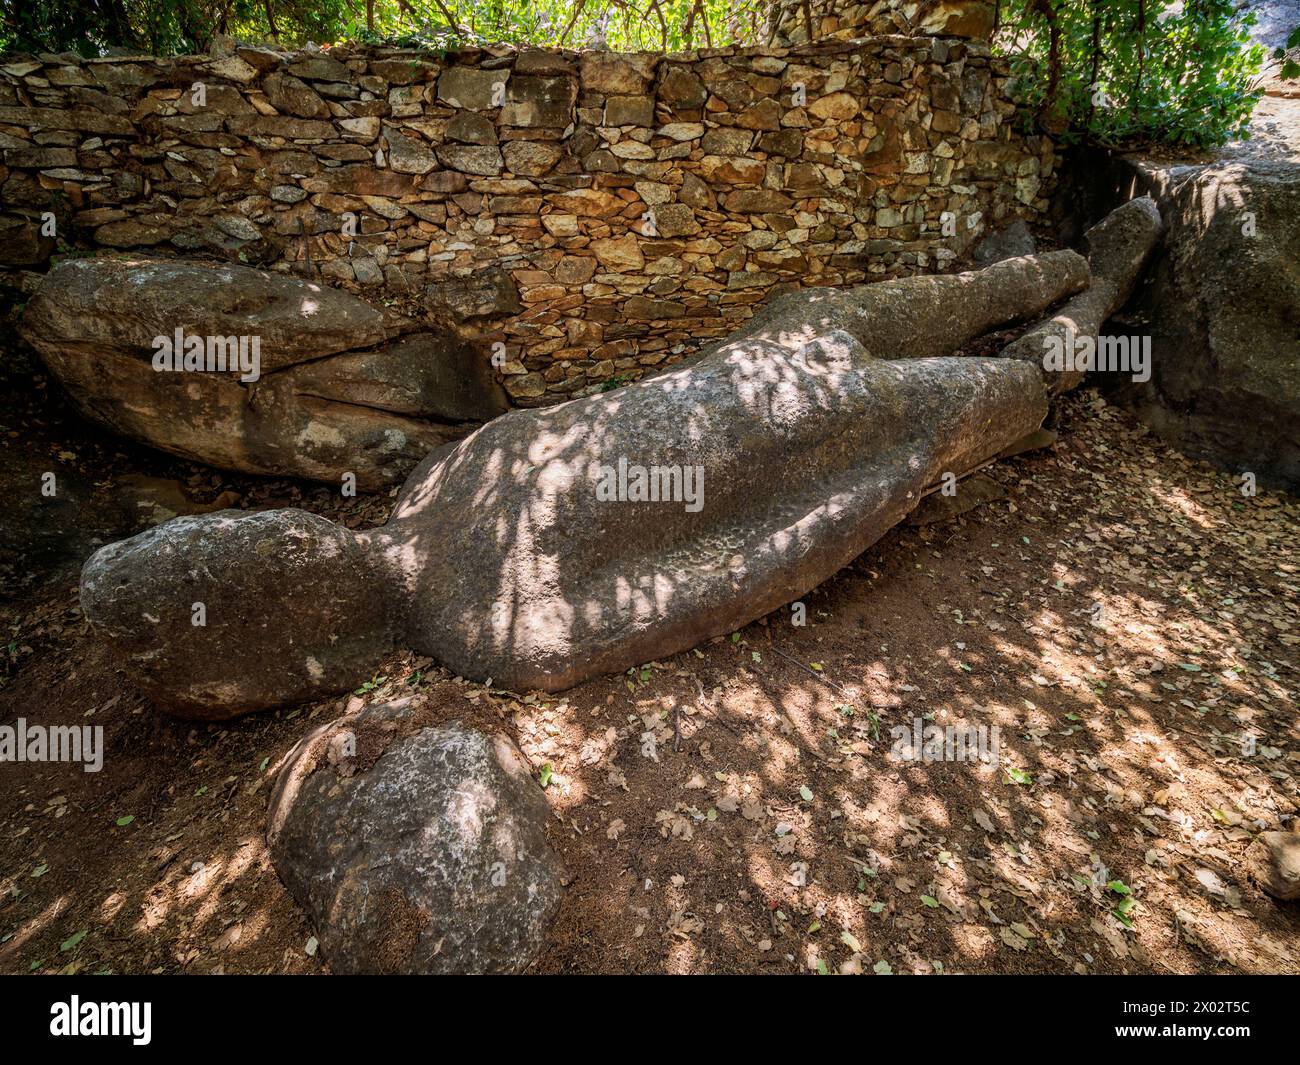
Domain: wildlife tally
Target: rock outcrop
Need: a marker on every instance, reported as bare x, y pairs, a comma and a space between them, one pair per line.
1222, 306
415, 848
529, 552
334, 389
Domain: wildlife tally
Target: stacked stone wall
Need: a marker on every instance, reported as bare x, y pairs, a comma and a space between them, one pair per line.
586, 216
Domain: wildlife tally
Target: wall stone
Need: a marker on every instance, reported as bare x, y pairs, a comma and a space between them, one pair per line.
598, 214
789, 21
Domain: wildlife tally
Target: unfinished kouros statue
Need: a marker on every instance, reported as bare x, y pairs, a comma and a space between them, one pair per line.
556, 544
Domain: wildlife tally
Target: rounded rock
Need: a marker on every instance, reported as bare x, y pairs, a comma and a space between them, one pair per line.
415, 848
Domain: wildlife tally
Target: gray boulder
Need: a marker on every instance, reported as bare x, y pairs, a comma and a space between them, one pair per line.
120, 305
334, 391
816, 428
221, 614
415, 848
1223, 308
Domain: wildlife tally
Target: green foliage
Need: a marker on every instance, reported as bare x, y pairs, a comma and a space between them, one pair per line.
1135, 71
163, 27
160, 27
1126, 71
1288, 57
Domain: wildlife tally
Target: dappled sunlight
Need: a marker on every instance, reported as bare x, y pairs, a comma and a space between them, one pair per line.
35, 926
539, 585
1172, 500
795, 613
1045, 693
757, 766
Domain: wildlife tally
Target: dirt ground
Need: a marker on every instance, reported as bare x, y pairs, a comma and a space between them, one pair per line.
1125, 617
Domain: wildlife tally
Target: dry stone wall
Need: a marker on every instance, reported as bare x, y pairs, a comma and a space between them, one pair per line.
798, 21
586, 217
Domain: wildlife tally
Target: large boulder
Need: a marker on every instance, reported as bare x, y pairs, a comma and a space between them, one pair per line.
415, 848
526, 553
1222, 306
809, 432
334, 390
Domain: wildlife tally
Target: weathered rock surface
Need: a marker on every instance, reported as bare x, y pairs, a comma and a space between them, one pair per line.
320, 408
816, 427
1006, 243
1118, 247
420, 375
808, 434
415, 848
1274, 862
118, 306
290, 609
1223, 309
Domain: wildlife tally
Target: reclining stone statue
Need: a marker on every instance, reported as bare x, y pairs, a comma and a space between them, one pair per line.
552, 545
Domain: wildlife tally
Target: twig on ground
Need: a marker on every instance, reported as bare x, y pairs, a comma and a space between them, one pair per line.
828, 682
